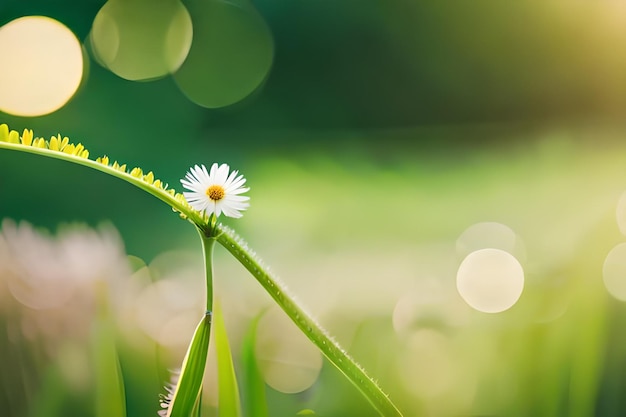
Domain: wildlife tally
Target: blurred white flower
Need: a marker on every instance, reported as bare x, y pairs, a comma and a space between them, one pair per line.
50, 284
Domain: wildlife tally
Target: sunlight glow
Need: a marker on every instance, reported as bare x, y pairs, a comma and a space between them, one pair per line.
42, 66
490, 280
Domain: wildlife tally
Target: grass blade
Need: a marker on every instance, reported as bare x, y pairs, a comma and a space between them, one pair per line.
228, 391
189, 384
255, 401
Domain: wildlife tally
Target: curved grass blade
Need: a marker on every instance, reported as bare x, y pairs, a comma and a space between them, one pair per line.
189, 386
254, 395
229, 404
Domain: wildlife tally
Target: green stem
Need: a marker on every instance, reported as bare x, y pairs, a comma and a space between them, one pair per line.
330, 348
208, 243
188, 390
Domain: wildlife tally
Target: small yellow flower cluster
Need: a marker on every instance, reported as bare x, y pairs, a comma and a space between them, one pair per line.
54, 144
58, 144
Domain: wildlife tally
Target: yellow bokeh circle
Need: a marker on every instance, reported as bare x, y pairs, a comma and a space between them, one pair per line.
42, 66
141, 39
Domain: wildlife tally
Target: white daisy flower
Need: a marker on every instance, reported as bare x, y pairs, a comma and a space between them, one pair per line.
216, 192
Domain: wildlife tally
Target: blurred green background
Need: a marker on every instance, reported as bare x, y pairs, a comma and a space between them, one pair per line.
381, 133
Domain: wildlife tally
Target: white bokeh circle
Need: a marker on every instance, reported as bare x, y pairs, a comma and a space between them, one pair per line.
490, 280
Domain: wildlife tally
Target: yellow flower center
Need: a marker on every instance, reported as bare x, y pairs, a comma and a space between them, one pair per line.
215, 192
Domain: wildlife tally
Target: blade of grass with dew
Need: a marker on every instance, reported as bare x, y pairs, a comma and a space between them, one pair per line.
189, 386
314, 331
229, 404
254, 395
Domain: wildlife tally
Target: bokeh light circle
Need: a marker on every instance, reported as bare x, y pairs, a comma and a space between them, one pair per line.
141, 39
289, 362
490, 280
614, 272
42, 66
231, 53
490, 235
